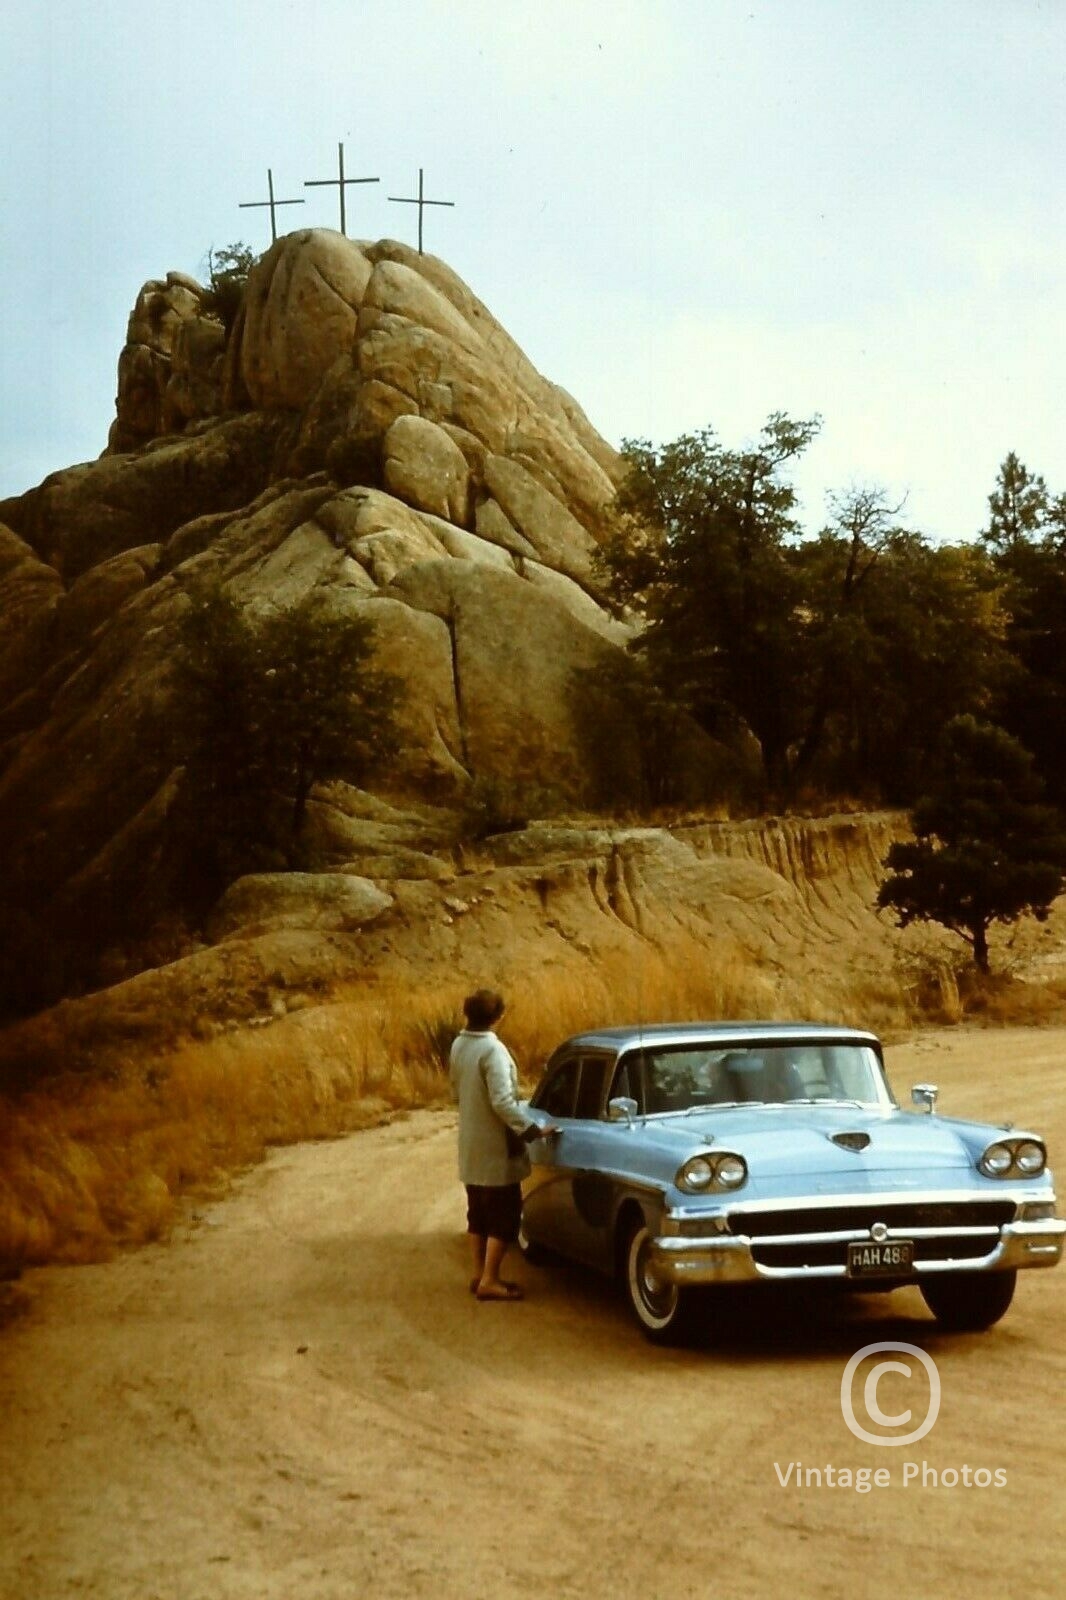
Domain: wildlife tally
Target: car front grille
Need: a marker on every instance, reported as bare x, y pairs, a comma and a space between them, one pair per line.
818, 1253
861, 1217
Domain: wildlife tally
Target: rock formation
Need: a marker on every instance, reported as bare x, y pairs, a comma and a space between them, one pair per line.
368, 428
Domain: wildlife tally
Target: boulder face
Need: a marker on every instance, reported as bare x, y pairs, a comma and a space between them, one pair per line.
366, 428
170, 370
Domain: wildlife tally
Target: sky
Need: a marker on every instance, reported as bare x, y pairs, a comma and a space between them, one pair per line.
687, 212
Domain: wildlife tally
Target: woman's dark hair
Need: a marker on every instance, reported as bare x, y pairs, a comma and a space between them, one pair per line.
482, 1009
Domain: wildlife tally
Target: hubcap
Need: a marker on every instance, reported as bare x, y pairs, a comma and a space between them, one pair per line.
658, 1297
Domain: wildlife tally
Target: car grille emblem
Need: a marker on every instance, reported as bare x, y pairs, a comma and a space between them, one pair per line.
879, 1232
851, 1141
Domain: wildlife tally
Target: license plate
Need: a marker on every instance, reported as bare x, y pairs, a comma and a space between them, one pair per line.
881, 1260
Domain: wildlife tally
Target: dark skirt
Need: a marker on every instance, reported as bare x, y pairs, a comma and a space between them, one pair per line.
494, 1211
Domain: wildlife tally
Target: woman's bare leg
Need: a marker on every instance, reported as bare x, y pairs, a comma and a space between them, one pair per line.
477, 1251
492, 1286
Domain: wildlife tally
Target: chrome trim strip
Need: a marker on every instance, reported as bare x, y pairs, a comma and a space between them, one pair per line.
862, 1235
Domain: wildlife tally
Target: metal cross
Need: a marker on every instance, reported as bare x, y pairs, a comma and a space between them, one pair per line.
404, 200
251, 205
339, 183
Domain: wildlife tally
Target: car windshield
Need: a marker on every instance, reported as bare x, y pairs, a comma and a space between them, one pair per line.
684, 1077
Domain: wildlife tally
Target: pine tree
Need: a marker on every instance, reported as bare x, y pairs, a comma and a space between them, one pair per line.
985, 848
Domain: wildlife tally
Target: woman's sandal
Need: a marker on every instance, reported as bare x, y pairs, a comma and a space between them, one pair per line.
511, 1291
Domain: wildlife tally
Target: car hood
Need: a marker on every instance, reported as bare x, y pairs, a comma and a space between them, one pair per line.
786, 1141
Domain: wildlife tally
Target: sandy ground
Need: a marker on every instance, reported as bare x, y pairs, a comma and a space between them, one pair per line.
297, 1399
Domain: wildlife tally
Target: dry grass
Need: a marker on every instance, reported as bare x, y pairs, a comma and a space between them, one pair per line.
91, 1160
940, 984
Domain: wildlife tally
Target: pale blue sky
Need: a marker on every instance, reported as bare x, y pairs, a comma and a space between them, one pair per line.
686, 211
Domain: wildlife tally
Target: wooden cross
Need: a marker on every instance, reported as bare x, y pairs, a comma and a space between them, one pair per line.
339, 182
251, 205
404, 200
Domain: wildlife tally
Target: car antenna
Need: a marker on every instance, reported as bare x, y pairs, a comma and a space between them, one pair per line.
640, 1023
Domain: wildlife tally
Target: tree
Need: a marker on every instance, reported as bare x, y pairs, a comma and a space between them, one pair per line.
265, 707
844, 654
227, 278
641, 748
699, 551
1018, 506
985, 849
903, 635
1027, 540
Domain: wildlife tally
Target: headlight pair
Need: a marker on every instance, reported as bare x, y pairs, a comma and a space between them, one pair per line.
722, 1170
1013, 1158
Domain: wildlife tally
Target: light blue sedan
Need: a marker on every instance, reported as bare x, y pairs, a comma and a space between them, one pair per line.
712, 1153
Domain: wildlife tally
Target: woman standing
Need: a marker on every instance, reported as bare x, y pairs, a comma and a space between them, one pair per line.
493, 1134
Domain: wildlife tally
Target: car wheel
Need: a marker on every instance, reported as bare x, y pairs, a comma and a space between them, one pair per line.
538, 1255
664, 1312
969, 1301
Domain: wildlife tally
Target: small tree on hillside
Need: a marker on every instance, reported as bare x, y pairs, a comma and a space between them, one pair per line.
227, 279
265, 708
985, 849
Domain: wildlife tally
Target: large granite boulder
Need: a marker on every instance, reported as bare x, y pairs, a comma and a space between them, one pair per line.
268, 902
300, 313
170, 369
424, 466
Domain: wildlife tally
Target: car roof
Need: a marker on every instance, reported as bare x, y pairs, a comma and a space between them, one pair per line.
667, 1033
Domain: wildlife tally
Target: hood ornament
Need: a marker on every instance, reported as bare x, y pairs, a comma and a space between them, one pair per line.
851, 1141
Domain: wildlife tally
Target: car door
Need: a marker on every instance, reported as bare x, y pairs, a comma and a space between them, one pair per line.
546, 1192
591, 1156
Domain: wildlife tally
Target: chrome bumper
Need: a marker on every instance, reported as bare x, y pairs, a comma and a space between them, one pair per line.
727, 1259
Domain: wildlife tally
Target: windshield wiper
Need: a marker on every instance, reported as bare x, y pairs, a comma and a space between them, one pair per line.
806, 1100
715, 1105
822, 1100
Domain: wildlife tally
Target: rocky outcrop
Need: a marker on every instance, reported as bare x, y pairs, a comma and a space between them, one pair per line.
369, 432
269, 902
171, 368
358, 336
554, 901
84, 515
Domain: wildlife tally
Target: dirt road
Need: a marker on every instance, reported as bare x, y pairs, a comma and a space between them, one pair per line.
297, 1399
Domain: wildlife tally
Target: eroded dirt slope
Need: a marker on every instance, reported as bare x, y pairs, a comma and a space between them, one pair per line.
297, 1399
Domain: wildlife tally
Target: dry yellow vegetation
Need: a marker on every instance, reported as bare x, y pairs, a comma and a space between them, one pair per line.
100, 1157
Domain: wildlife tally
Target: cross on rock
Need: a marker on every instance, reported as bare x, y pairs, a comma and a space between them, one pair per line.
420, 202
340, 182
252, 205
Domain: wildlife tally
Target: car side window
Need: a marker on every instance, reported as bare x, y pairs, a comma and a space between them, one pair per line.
590, 1089
627, 1082
558, 1094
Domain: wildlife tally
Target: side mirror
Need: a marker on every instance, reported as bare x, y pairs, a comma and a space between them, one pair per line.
622, 1110
924, 1094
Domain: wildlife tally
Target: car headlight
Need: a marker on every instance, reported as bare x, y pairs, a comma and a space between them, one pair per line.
696, 1174
1013, 1158
997, 1161
700, 1173
731, 1172
1030, 1158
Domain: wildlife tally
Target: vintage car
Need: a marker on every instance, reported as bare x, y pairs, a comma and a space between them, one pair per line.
709, 1154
